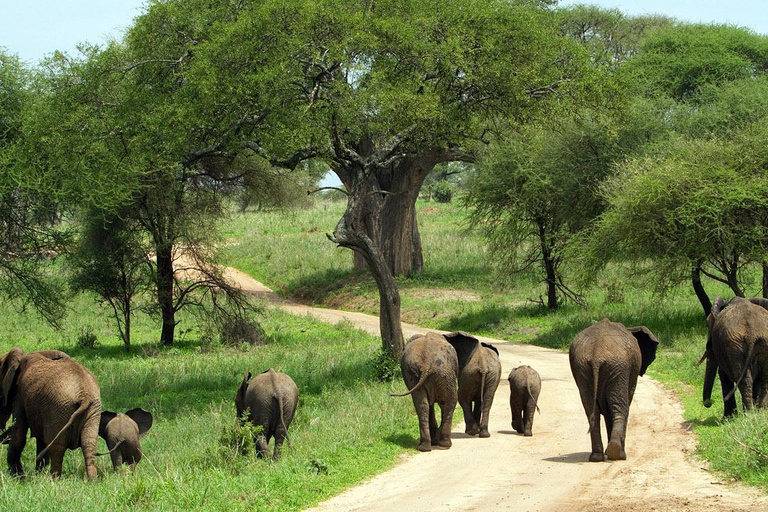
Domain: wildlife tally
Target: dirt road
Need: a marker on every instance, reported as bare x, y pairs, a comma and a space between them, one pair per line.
549, 471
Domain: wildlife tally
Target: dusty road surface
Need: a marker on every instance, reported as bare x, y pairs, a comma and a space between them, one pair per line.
549, 471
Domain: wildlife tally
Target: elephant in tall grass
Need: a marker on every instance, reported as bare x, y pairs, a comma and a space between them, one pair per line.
430, 367
55, 398
122, 433
270, 399
737, 350
606, 359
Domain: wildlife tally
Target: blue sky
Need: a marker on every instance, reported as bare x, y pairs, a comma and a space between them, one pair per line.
35, 28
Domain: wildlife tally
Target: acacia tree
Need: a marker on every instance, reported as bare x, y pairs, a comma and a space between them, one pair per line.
28, 202
383, 102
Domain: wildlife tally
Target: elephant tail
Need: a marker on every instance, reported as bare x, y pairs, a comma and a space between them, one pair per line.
747, 364
595, 376
84, 406
99, 454
535, 402
421, 382
282, 418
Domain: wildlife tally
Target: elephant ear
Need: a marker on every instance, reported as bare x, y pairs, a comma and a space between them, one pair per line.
488, 345
240, 395
8, 372
719, 305
648, 345
142, 418
464, 344
758, 301
106, 417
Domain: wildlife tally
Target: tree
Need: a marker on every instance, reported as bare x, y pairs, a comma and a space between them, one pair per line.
111, 261
382, 102
28, 204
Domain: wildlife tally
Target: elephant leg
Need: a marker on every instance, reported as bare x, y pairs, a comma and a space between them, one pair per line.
746, 390
57, 460
446, 422
485, 413
726, 384
470, 425
593, 417
117, 460
16, 447
434, 433
616, 427
41, 462
528, 412
89, 436
280, 434
262, 446
426, 413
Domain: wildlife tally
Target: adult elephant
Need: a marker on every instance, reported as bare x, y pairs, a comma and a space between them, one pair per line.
479, 376
430, 368
57, 400
270, 399
606, 359
737, 350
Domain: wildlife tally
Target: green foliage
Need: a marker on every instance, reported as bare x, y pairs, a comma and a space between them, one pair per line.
87, 338
442, 191
240, 437
387, 367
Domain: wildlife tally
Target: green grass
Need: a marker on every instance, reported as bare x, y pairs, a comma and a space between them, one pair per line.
346, 426
460, 291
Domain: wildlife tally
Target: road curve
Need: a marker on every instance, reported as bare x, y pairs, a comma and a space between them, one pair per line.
549, 471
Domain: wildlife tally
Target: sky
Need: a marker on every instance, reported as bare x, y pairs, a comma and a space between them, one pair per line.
33, 29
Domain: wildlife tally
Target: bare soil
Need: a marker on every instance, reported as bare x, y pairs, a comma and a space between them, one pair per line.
549, 471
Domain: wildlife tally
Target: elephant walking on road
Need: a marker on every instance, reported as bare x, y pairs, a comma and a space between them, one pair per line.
737, 349
524, 389
606, 359
430, 368
479, 376
271, 400
57, 400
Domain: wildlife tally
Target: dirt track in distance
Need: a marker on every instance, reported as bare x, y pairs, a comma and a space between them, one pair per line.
549, 471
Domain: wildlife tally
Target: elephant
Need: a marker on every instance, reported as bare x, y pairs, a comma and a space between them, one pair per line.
58, 400
606, 359
122, 433
524, 389
737, 350
430, 367
270, 399
479, 376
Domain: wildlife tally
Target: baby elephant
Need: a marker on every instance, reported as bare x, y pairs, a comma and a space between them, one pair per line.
122, 433
524, 389
270, 399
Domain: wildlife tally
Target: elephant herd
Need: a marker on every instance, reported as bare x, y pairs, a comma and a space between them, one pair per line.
605, 359
57, 400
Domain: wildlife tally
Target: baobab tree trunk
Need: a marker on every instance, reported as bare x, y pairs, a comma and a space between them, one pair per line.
395, 228
363, 204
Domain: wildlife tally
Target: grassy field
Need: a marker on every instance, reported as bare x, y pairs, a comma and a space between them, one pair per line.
460, 291
346, 426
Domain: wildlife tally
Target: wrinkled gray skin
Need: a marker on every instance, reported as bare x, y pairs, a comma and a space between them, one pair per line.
479, 376
524, 389
737, 350
122, 433
606, 359
271, 400
57, 400
430, 367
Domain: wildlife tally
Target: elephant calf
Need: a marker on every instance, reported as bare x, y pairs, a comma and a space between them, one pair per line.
122, 433
271, 400
524, 389
606, 359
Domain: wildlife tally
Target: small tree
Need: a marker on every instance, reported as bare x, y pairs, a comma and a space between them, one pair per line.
111, 262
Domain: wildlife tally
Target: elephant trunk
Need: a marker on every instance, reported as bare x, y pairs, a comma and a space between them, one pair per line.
709, 379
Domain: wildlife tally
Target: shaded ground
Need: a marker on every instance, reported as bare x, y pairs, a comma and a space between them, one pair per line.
546, 472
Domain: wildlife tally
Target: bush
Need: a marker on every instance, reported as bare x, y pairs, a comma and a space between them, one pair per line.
240, 438
387, 367
87, 337
242, 331
442, 192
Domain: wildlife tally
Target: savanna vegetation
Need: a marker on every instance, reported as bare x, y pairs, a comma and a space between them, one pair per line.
579, 163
